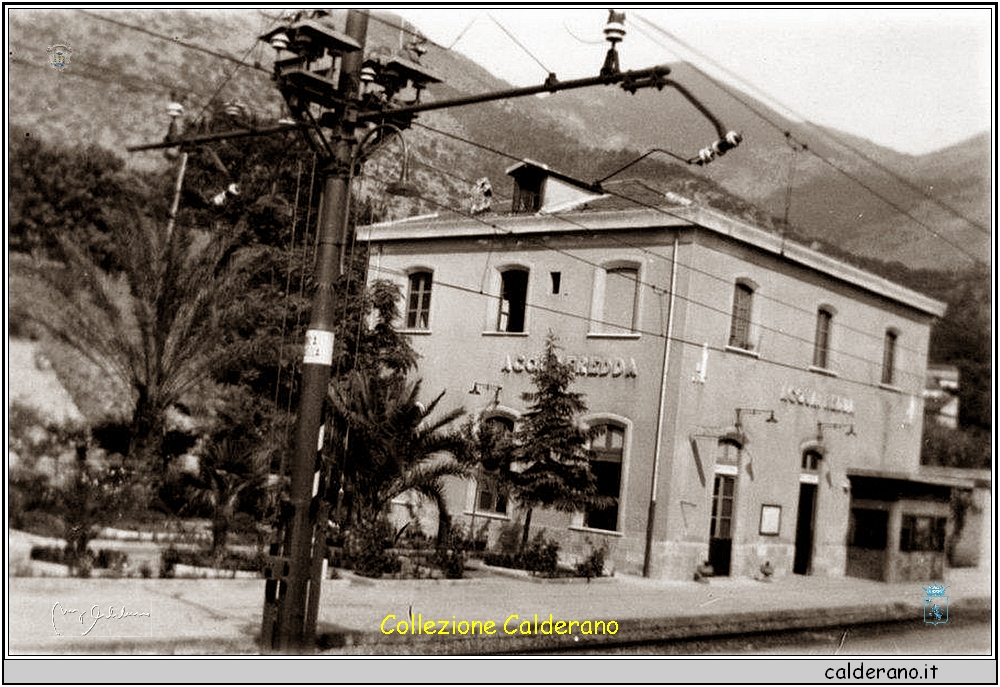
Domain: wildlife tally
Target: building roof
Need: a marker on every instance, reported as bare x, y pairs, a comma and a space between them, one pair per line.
662, 215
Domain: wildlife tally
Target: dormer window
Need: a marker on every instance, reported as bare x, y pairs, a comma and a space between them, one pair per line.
527, 189
540, 189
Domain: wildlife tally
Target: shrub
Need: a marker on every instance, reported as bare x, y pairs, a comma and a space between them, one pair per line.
111, 559
366, 549
450, 555
593, 564
48, 554
168, 562
509, 539
540, 556
501, 560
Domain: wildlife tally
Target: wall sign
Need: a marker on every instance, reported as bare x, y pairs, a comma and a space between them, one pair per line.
584, 366
770, 519
815, 399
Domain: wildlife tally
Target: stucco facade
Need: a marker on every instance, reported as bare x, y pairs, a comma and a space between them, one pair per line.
746, 376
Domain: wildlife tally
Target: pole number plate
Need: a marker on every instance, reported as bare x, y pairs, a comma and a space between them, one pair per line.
318, 348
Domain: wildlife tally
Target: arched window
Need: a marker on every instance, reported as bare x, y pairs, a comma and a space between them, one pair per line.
616, 299
513, 300
496, 430
608, 446
418, 301
739, 329
889, 357
821, 348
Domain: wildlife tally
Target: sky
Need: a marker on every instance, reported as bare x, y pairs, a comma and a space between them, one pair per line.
915, 79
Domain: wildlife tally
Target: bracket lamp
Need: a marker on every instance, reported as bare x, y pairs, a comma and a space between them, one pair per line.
835, 425
754, 411
478, 388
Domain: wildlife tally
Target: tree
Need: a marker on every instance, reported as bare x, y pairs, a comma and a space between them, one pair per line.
393, 444
228, 468
55, 189
157, 329
551, 447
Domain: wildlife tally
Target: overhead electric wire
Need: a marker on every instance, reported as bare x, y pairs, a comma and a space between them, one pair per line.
229, 77
909, 184
97, 72
644, 249
653, 287
519, 44
656, 334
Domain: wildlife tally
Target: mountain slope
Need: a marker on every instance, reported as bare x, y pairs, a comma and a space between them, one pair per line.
126, 64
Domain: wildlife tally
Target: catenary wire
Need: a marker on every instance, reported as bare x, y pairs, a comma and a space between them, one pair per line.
659, 335
899, 178
644, 249
656, 289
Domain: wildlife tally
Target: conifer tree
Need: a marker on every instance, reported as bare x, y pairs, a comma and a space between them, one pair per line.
552, 447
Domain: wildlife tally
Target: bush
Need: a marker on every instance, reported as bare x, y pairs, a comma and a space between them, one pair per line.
111, 559
230, 560
450, 556
509, 539
366, 549
540, 556
168, 562
501, 560
593, 565
48, 554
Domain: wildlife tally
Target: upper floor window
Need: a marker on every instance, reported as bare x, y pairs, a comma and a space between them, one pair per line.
889, 357
739, 330
821, 349
513, 300
621, 300
418, 301
608, 447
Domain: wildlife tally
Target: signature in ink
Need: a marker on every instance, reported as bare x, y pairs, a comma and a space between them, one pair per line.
89, 617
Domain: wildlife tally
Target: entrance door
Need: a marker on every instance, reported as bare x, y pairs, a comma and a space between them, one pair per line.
804, 529
720, 542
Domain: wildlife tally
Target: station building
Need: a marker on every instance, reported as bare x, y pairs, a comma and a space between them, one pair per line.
759, 403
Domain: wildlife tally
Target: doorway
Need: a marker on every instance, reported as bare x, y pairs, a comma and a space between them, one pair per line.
804, 526
720, 542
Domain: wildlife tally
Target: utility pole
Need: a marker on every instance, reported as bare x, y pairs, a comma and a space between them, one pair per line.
328, 84
296, 594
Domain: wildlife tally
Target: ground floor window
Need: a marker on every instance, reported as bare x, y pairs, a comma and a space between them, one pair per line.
608, 447
490, 499
922, 533
868, 528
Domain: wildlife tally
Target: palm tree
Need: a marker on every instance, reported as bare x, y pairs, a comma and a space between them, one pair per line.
227, 469
392, 443
157, 328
